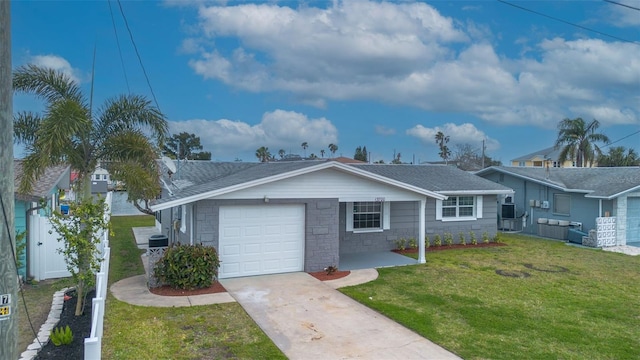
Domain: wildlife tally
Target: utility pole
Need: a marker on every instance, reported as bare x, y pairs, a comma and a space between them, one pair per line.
483, 153
8, 272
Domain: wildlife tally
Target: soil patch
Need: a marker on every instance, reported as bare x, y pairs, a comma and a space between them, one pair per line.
549, 268
322, 275
449, 247
513, 273
80, 327
167, 290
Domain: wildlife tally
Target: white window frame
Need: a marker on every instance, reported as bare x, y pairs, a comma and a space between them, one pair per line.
477, 209
385, 223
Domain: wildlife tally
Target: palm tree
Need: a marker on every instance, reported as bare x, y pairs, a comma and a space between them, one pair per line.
69, 131
322, 152
617, 156
281, 152
304, 147
333, 148
442, 140
577, 140
263, 154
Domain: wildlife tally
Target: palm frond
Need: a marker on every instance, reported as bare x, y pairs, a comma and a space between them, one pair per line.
25, 125
46, 83
131, 112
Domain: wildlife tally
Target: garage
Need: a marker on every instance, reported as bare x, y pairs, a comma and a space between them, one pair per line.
261, 239
633, 220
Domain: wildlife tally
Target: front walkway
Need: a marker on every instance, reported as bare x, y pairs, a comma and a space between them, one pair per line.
307, 319
371, 260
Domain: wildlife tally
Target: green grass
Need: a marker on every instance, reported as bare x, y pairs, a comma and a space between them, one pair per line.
457, 300
200, 332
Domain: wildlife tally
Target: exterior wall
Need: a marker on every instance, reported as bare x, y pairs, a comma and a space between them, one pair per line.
321, 227
621, 217
584, 210
488, 223
404, 224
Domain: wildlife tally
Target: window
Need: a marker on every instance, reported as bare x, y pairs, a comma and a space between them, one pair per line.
537, 163
522, 163
556, 164
368, 216
459, 208
561, 204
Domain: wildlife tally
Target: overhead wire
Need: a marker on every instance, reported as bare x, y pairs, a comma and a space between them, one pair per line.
622, 138
621, 4
144, 71
115, 31
568, 22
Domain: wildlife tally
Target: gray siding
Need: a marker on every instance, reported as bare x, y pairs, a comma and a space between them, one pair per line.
488, 223
321, 227
584, 210
404, 224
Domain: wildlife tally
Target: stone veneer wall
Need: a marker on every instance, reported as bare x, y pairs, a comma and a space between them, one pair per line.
404, 224
321, 247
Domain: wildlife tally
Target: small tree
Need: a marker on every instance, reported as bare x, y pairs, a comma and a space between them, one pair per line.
81, 233
305, 145
442, 140
333, 148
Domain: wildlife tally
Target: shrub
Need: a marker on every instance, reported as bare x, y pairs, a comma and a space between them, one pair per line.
427, 242
331, 269
62, 336
463, 241
497, 238
472, 236
401, 243
188, 267
485, 237
413, 243
437, 241
448, 238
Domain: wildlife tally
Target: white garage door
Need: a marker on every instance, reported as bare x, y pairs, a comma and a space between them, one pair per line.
261, 239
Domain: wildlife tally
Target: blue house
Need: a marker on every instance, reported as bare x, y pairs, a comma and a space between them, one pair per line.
34, 206
550, 201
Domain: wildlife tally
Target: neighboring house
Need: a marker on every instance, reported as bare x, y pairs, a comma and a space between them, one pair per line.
578, 196
31, 209
278, 217
543, 158
101, 181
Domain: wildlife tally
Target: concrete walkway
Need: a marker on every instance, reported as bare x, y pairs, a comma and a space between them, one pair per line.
307, 319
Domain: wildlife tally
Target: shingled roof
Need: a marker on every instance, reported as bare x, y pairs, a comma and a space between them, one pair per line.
195, 178
43, 185
599, 182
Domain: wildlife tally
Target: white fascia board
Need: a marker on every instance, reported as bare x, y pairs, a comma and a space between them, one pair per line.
478, 192
611, 197
282, 176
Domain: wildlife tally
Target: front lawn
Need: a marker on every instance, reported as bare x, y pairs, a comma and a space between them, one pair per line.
559, 302
201, 332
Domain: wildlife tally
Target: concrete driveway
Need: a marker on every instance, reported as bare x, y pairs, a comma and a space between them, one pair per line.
308, 319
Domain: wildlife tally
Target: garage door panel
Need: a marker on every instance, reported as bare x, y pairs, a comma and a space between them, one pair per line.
270, 239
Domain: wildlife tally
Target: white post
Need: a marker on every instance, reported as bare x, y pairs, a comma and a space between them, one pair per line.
422, 232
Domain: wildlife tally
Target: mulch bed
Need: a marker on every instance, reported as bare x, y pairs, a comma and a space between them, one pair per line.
322, 275
167, 290
449, 247
80, 327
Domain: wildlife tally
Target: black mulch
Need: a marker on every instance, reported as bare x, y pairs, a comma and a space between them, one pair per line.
80, 326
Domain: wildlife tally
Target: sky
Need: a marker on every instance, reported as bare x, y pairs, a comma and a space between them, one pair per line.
381, 74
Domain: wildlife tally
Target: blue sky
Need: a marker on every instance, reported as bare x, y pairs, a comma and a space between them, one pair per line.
386, 75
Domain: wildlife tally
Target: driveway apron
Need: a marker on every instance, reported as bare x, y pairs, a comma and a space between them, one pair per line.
307, 319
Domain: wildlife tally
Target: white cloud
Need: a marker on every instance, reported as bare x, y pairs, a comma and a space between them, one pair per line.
383, 130
57, 63
622, 16
227, 139
458, 134
410, 54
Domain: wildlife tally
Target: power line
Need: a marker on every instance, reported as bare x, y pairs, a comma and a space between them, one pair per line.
568, 22
138, 55
625, 137
115, 31
621, 4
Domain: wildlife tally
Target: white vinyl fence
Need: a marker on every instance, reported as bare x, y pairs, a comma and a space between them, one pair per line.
93, 344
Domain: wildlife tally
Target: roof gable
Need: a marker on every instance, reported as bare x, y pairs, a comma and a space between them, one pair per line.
215, 179
44, 184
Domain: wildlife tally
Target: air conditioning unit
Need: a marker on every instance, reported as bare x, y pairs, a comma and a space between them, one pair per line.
544, 205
